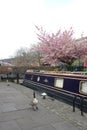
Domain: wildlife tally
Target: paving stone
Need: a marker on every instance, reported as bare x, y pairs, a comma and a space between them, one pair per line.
6, 107
9, 125
64, 126
27, 123
46, 127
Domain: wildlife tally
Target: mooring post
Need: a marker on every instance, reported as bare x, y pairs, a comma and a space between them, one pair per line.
74, 99
34, 96
81, 105
17, 78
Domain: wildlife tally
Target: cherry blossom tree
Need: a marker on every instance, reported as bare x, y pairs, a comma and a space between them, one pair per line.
60, 46
81, 49
56, 47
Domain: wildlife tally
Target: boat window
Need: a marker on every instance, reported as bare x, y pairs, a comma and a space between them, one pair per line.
58, 82
38, 78
83, 87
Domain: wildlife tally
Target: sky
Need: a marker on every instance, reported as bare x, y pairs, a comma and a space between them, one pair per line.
19, 17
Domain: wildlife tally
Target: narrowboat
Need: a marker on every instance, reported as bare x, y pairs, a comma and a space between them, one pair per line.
71, 88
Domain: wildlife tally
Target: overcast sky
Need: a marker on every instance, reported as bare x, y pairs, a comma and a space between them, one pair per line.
18, 17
